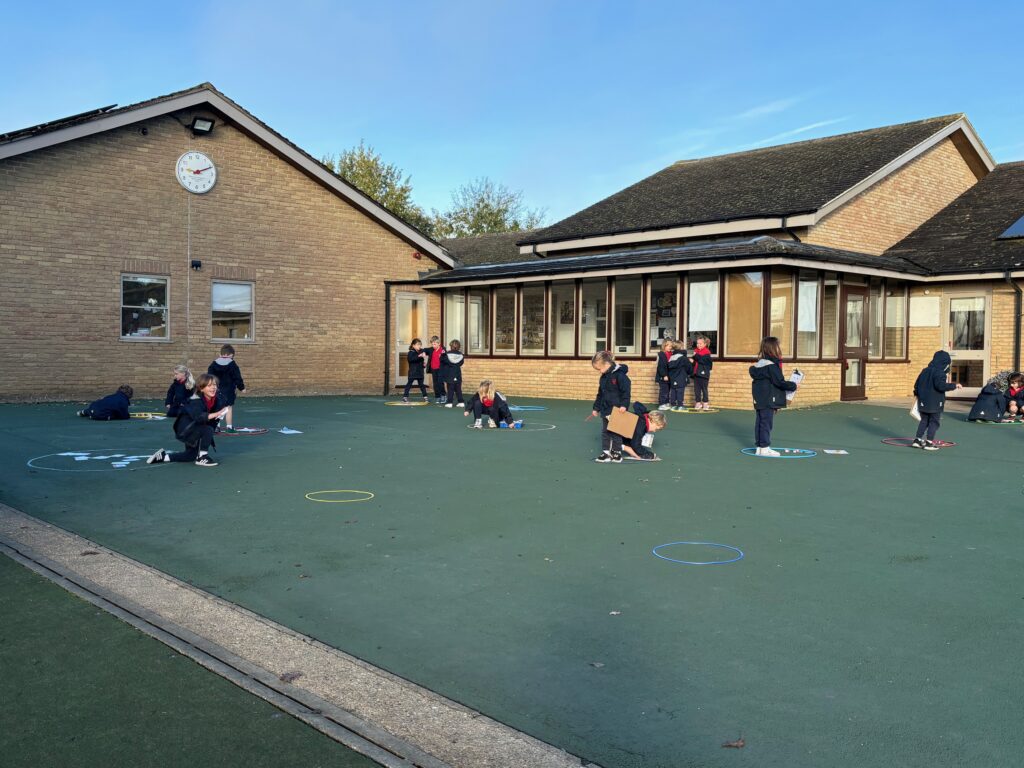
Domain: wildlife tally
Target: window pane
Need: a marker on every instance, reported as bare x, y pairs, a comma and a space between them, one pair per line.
702, 309
628, 316
562, 339
969, 373
896, 320
594, 317
854, 320
232, 325
781, 308
144, 307
743, 291
454, 316
807, 316
479, 312
967, 323
830, 316
505, 321
232, 297
664, 312
533, 321
875, 308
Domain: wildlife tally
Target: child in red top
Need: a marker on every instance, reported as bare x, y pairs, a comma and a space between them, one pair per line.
436, 360
1015, 396
701, 373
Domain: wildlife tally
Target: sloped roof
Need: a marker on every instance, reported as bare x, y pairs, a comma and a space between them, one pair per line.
965, 235
760, 247
495, 248
106, 118
779, 181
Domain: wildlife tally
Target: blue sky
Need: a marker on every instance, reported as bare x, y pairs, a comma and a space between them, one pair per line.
566, 101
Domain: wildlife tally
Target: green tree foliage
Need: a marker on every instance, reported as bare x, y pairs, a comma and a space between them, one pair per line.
366, 170
481, 207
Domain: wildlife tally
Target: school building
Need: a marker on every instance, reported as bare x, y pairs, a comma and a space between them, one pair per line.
133, 239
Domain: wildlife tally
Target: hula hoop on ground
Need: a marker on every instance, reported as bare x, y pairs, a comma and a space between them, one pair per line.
907, 442
406, 405
244, 431
365, 497
527, 408
148, 415
533, 426
737, 550
784, 453
696, 410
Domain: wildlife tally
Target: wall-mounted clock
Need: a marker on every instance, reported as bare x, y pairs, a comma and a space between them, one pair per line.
196, 172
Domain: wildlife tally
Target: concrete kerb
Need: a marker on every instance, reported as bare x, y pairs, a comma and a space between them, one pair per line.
387, 718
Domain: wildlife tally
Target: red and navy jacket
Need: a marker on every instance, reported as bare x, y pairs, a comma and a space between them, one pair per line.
440, 356
662, 370
194, 415
702, 363
643, 426
613, 389
1015, 396
177, 395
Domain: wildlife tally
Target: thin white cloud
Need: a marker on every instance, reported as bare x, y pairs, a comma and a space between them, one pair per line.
771, 108
779, 137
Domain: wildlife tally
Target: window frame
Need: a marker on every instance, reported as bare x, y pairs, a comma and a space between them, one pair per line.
167, 309
252, 312
723, 300
521, 304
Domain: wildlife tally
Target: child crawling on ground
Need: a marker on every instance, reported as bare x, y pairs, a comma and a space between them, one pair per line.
489, 402
110, 408
640, 445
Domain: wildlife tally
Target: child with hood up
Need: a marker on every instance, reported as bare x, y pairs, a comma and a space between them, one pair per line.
930, 390
992, 402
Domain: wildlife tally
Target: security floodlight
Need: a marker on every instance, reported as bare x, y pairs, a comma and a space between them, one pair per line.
201, 126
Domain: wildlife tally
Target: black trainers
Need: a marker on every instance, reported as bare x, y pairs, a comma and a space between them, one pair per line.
157, 457
930, 446
83, 414
918, 443
405, 399
616, 458
604, 458
206, 461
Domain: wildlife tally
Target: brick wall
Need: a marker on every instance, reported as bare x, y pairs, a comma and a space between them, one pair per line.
884, 214
78, 215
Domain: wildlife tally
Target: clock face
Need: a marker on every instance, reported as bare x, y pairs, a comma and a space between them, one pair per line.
196, 172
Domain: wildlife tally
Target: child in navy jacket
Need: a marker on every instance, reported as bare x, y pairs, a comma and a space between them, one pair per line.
110, 408
229, 379
613, 391
701, 373
1015, 396
489, 402
452, 374
661, 374
768, 387
194, 425
990, 404
679, 370
181, 389
416, 357
639, 445
930, 390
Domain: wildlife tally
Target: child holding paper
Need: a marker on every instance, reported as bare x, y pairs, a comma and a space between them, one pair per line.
769, 388
613, 391
930, 390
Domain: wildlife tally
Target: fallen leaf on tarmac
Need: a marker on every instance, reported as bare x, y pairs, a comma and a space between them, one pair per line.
89, 552
615, 613
290, 677
738, 744
596, 664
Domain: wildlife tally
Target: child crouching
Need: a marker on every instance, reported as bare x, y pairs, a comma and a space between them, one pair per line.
489, 402
640, 444
194, 426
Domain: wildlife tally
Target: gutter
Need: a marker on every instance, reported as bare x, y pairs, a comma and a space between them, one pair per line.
1017, 301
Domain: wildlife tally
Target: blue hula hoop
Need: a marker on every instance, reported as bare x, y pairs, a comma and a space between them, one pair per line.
527, 408
805, 453
737, 550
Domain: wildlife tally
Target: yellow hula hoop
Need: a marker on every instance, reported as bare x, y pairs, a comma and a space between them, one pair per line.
311, 494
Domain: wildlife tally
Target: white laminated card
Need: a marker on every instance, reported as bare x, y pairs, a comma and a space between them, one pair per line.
796, 376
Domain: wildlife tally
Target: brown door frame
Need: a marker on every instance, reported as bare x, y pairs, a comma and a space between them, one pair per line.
852, 353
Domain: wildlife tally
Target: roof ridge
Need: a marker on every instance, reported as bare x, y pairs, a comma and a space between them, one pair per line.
939, 118
493, 234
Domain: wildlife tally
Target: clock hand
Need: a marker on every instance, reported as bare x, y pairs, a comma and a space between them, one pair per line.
202, 169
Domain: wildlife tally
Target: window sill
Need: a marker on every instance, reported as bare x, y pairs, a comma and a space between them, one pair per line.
233, 341
143, 340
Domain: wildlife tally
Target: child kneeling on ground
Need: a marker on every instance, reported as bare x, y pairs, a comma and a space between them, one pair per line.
110, 408
639, 445
613, 391
769, 388
992, 402
489, 402
194, 426
930, 390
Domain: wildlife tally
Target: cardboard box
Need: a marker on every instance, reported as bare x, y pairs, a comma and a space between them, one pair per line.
622, 423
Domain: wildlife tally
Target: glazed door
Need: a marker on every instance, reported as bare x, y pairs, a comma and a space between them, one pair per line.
854, 338
411, 319
967, 333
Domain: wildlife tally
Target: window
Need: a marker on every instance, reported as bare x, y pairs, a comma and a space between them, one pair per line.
876, 309
628, 316
896, 320
663, 311
504, 321
807, 315
562, 314
479, 341
143, 307
702, 309
532, 325
594, 317
232, 311
967, 323
780, 309
830, 315
454, 316
743, 309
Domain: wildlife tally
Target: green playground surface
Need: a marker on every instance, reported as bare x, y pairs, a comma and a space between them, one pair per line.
875, 619
80, 688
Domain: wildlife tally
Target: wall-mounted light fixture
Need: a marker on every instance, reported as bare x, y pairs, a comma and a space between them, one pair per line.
201, 126
197, 264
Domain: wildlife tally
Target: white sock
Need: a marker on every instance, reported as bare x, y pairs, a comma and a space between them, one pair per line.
201, 454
